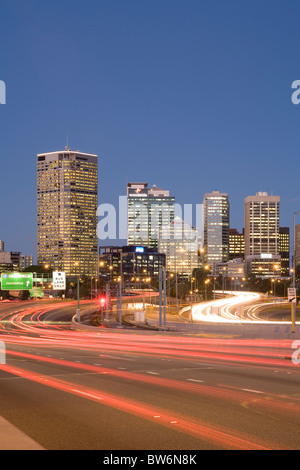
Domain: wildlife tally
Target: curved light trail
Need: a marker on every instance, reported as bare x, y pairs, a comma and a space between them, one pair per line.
236, 308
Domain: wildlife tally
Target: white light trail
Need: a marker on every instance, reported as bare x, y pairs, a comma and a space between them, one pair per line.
228, 310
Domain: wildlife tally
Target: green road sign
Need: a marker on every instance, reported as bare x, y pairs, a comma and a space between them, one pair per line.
37, 292
16, 281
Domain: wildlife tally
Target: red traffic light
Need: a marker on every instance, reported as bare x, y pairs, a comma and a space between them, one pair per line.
102, 301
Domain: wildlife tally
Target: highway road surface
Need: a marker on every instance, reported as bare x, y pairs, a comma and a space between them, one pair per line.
128, 389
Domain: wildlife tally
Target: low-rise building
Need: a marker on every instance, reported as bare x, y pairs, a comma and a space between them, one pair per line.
128, 262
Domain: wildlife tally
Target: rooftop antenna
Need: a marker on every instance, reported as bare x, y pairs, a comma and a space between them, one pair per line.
67, 146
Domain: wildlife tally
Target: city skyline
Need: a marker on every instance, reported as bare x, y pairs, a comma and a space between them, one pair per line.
149, 228
52, 184
188, 212
173, 98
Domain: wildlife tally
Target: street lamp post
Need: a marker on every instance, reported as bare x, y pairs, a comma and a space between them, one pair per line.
78, 292
206, 282
160, 297
294, 271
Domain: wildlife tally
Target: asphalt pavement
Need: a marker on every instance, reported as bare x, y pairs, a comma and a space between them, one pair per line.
129, 389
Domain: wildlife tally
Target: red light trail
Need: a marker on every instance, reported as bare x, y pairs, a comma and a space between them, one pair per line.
196, 428
31, 327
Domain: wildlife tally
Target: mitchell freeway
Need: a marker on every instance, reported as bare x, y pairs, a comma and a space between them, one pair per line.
129, 389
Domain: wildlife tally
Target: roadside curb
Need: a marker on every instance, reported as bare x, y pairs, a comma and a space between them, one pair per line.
14, 439
245, 330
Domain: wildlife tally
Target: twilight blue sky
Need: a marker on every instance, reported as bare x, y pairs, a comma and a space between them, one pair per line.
189, 95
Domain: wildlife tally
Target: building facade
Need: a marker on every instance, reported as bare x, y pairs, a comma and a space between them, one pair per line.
14, 261
67, 200
262, 242
216, 215
236, 244
130, 263
149, 209
297, 245
284, 250
181, 244
25, 261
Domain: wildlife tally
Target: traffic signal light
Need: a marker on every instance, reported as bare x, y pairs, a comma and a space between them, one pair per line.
102, 301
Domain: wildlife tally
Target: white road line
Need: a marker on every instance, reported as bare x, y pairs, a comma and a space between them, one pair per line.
116, 357
87, 394
195, 380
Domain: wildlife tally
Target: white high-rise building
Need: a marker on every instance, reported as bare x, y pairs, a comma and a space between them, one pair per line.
149, 209
262, 224
262, 247
216, 227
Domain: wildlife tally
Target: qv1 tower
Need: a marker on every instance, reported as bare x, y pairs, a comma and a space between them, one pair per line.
67, 200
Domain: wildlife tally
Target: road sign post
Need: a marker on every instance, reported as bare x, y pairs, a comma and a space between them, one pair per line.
160, 297
37, 292
59, 280
292, 297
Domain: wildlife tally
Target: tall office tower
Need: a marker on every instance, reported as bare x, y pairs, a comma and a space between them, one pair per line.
67, 200
284, 250
236, 244
262, 233
262, 224
1, 245
216, 227
181, 244
149, 209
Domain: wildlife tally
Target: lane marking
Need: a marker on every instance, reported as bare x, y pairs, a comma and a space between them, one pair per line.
195, 380
87, 394
116, 357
